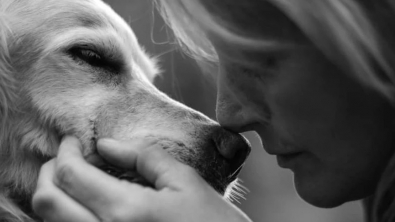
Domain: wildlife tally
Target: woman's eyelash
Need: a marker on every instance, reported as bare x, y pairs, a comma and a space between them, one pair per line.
261, 69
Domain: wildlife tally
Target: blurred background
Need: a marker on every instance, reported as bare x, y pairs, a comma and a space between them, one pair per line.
271, 196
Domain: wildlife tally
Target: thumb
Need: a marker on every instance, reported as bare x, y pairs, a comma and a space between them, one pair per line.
150, 161
122, 154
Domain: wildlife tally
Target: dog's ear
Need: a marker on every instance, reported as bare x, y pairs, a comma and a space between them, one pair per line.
6, 73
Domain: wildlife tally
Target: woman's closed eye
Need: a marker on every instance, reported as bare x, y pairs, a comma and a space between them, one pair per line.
263, 68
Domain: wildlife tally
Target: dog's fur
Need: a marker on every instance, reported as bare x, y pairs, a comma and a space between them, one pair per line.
75, 67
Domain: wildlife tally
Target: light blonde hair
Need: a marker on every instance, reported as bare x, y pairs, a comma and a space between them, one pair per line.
354, 34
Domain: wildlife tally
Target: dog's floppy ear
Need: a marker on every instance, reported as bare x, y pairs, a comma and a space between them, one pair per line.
6, 73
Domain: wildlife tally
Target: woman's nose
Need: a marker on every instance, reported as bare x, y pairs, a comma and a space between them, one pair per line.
231, 113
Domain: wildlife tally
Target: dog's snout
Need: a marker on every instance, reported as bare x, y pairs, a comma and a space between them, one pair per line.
233, 147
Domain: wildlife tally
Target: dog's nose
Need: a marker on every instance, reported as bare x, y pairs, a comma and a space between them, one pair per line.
233, 147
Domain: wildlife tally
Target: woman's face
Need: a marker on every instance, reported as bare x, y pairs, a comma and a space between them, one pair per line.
332, 133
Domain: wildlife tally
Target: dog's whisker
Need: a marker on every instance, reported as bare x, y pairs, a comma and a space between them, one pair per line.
236, 191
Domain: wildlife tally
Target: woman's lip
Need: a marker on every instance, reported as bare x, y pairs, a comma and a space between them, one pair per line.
288, 160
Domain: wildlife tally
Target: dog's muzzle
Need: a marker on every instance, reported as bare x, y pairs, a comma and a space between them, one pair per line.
221, 158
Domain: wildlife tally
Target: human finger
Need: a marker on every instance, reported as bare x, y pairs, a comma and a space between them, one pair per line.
122, 154
93, 188
150, 161
53, 205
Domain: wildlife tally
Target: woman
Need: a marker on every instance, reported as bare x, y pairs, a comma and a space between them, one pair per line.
315, 79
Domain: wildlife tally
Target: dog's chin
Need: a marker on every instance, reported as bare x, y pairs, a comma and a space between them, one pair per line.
229, 187
232, 191
228, 190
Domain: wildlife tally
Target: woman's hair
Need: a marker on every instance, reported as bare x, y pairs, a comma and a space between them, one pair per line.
356, 35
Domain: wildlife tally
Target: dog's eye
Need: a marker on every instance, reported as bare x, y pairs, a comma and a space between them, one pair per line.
87, 55
93, 58
90, 56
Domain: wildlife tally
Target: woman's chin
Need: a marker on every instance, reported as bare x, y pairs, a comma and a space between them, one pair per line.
319, 201
324, 193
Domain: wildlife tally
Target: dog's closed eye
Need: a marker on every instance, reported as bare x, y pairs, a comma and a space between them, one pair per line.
87, 56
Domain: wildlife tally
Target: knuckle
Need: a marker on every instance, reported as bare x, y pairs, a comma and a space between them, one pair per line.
65, 172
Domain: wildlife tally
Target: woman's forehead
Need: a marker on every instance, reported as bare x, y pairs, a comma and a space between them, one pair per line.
256, 18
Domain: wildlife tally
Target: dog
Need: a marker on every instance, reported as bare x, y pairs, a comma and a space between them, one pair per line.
75, 67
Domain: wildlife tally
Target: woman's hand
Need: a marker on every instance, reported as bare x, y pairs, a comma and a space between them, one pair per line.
70, 189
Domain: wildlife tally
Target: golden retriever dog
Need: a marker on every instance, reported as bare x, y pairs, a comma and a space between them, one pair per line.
75, 67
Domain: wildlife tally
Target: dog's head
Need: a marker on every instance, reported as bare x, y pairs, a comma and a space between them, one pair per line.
75, 67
